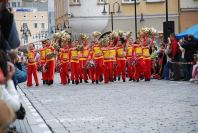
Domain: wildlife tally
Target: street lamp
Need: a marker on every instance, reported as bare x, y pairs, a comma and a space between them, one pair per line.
111, 12
59, 27
25, 32
53, 29
67, 26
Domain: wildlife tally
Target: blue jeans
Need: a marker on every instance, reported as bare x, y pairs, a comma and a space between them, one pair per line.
166, 72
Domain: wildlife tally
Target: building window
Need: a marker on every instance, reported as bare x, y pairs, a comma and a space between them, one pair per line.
74, 2
130, 1
35, 25
24, 24
101, 1
42, 25
13, 4
19, 4
153, 1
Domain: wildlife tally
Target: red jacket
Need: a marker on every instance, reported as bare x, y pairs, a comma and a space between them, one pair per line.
174, 48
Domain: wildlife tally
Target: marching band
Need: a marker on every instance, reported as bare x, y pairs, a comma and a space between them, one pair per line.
109, 58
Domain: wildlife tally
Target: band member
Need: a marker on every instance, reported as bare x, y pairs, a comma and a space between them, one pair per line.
147, 62
74, 60
43, 61
83, 58
98, 58
106, 55
112, 61
129, 55
121, 61
50, 62
64, 58
139, 61
90, 65
31, 66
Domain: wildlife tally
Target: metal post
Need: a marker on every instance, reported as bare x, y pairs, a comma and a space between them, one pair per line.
166, 10
135, 19
112, 21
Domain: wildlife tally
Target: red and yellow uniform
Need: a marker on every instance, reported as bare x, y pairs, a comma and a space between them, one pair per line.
147, 63
129, 55
121, 62
139, 57
112, 62
64, 60
106, 56
98, 57
31, 68
83, 56
74, 60
50, 62
43, 61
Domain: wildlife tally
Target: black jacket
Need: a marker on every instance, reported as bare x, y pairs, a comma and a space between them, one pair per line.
190, 50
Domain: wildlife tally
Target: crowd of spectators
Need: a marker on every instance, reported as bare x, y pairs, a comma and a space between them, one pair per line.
10, 71
175, 59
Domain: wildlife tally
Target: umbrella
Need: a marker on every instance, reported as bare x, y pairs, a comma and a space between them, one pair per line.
190, 31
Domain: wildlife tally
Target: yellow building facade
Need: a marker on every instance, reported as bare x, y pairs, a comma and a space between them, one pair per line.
37, 23
150, 13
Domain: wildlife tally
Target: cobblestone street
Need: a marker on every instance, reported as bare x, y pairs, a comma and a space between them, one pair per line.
156, 106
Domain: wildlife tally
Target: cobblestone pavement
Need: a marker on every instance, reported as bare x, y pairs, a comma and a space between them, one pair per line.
145, 107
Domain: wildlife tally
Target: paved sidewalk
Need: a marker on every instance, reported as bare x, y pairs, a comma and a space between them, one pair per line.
145, 107
33, 122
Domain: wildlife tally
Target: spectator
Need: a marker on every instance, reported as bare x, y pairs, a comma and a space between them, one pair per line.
175, 56
195, 71
8, 92
7, 116
167, 67
8, 33
190, 49
21, 71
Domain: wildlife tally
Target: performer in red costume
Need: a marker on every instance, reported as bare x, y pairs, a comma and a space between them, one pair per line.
83, 57
106, 67
147, 62
64, 58
121, 61
74, 61
50, 62
112, 62
98, 57
43, 61
129, 56
31, 66
138, 62
90, 65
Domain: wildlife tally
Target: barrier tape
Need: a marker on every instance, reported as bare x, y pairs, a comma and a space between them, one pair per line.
187, 63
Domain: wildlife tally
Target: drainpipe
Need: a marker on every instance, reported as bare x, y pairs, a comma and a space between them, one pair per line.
179, 13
